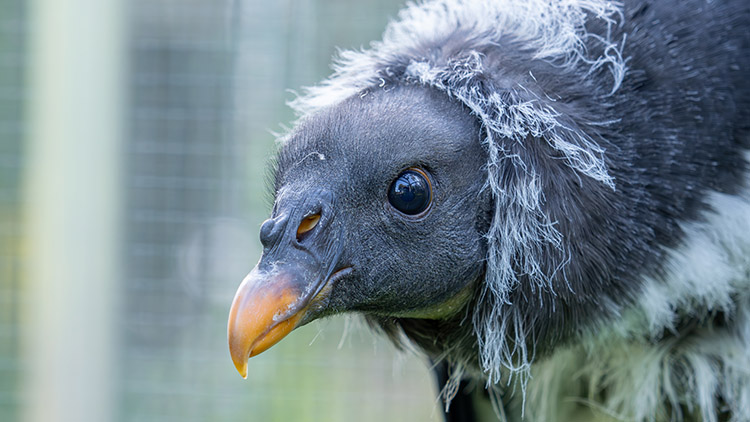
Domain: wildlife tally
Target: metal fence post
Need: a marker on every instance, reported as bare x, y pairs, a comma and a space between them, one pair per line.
72, 202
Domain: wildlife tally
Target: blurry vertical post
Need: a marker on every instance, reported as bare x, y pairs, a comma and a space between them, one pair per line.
72, 197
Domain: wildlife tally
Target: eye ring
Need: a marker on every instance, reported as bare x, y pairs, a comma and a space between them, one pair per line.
410, 193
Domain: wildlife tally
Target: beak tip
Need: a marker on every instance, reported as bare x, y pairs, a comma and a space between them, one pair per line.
241, 368
239, 355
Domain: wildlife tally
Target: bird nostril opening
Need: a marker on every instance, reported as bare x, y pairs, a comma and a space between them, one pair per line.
267, 233
306, 225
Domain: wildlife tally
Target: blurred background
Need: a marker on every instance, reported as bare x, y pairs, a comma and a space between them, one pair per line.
134, 137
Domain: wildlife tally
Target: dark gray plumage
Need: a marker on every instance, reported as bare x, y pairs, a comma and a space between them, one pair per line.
589, 224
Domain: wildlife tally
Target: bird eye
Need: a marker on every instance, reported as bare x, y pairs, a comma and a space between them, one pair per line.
411, 192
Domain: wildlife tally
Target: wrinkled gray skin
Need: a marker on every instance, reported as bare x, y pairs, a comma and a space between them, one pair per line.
402, 265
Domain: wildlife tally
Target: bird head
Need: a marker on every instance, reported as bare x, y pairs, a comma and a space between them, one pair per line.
379, 208
441, 172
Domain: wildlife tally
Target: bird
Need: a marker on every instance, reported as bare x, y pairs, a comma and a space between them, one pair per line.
550, 200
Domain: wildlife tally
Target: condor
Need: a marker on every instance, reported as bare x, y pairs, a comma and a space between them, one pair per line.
550, 199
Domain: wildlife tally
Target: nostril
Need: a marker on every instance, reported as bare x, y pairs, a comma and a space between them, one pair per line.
306, 225
266, 232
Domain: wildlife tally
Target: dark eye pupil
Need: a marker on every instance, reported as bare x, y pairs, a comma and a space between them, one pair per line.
410, 193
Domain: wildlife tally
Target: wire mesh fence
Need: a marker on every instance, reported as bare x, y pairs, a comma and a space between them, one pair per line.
12, 100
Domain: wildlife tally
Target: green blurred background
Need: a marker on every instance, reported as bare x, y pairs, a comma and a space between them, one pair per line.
134, 136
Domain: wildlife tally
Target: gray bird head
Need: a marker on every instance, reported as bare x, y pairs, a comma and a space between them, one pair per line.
380, 208
437, 176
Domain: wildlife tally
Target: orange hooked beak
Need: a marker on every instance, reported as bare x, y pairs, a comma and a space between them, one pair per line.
267, 307
261, 315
